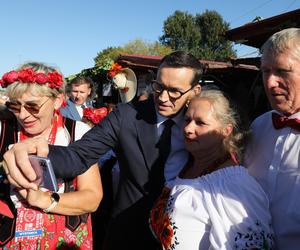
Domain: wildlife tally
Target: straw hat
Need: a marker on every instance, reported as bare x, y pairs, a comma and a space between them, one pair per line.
125, 81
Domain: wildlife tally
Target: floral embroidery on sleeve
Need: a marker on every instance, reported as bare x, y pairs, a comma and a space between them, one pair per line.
160, 223
255, 238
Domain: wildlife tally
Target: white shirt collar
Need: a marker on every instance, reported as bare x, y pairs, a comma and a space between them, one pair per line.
178, 119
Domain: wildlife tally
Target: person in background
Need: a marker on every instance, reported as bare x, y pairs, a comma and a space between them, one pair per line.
5, 114
148, 141
44, 219
81, 95
273, 154
214, 203
144, 95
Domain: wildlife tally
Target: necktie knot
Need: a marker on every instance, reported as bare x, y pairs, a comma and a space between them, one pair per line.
168, 123
280, 121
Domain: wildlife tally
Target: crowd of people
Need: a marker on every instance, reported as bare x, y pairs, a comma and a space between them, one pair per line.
192, 172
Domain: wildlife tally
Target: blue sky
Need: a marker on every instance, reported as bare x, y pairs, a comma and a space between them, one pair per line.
68, 33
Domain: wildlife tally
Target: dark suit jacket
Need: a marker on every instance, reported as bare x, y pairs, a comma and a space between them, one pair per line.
131, 131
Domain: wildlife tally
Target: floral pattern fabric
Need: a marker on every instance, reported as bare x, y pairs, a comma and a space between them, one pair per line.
226, 209
36, 230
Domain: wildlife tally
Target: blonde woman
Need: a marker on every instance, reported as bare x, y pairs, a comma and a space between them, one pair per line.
46, 220
214, 203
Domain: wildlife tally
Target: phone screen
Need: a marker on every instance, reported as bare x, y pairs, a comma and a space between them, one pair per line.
44, 171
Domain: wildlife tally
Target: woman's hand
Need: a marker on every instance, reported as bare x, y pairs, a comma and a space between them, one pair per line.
16, 163
36, 198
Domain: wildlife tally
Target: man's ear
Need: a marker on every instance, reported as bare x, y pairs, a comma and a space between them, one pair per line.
197, 89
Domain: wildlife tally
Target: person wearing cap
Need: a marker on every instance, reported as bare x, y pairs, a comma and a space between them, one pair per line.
135, 130
272, 156
81, 93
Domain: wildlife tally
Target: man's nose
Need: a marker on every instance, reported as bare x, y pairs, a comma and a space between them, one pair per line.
271, 80
164, 96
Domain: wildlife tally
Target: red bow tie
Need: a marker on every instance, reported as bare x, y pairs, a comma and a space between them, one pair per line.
280, 121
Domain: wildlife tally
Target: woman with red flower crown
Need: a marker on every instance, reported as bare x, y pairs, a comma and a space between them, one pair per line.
41, 219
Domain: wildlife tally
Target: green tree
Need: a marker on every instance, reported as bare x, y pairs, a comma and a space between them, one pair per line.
180, 32
105, 58
201, 35
213, 44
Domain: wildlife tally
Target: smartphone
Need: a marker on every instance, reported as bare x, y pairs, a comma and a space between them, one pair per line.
44, 171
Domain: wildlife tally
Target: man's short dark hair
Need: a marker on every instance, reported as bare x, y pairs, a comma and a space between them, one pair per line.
79, 80
181, 59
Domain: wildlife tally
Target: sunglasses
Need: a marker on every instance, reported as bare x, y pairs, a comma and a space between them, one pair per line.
32, 108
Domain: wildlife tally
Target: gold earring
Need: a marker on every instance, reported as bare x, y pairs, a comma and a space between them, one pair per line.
187, 103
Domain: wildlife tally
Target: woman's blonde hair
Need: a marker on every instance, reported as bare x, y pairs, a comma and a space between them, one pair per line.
226, 112
17, 89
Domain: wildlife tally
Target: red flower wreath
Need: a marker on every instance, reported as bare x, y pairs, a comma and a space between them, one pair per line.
28, 75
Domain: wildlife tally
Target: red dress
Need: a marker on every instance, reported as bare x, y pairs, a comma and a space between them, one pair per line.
36, 230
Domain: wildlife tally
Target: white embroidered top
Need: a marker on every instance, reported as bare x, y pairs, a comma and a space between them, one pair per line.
226, 209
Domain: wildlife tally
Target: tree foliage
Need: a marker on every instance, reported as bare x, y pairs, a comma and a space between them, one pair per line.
105, 58
201, 35
180, 32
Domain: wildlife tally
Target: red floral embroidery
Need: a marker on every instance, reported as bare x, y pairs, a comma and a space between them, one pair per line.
160, 220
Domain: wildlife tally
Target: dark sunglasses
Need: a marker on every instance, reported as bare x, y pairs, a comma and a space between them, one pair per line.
32, 108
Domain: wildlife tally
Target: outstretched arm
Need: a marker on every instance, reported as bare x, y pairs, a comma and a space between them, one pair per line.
68, 162
85, 200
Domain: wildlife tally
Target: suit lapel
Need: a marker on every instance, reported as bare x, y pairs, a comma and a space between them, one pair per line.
74, 111
146, 130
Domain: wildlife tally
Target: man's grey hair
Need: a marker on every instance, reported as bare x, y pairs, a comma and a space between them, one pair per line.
283, 40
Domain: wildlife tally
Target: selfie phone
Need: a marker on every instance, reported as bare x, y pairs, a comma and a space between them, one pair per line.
44, 172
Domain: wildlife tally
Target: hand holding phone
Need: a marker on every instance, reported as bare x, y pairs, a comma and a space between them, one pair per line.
44, 172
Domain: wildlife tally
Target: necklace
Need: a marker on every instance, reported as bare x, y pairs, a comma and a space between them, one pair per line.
56, 123
215, 166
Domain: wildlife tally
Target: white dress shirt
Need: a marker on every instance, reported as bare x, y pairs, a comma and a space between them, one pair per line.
80, 109
273, 158
178, 155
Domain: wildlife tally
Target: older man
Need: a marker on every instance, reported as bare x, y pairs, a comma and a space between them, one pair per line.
273, 157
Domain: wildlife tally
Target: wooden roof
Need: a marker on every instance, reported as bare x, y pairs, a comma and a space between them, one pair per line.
256, 33
152, 62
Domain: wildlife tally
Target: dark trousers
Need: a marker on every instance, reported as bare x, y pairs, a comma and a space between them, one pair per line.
130, 229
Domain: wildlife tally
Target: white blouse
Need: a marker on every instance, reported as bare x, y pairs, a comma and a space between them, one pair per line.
226, 209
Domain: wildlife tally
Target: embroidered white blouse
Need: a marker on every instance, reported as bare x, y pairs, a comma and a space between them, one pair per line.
226, 209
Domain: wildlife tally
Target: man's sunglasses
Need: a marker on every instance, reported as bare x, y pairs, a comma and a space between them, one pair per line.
32, 108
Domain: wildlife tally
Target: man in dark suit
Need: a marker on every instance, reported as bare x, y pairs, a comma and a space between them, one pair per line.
81, 92
133, 131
